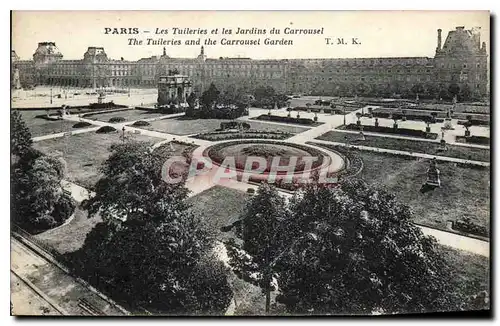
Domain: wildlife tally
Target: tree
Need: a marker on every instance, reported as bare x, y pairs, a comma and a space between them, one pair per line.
417, 89
165, 260
210, 96
263, 92
260, 234
132, 187
37, 195
465, 93
367, 255
453, 90
20, 135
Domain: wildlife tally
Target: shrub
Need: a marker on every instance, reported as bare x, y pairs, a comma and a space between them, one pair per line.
141, 123
251, 191
302, 121
63, 209
117, 119
479, 140
105, 130
389, 130
467, 226
81, 124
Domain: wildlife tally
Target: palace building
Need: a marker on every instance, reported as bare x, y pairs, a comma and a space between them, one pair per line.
462, 60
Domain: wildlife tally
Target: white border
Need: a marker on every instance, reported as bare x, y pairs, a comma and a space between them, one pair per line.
196, 5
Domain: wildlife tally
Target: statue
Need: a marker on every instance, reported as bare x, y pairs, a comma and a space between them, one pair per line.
433, 174
447, 120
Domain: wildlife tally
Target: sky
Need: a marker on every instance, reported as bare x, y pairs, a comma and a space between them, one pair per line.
379, 33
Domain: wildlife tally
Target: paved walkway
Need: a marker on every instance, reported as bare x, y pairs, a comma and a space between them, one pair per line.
162, 135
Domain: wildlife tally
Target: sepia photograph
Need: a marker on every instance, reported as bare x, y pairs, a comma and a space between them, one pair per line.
250, 163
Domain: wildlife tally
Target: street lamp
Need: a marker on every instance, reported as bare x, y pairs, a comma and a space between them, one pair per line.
344, 114
51, 95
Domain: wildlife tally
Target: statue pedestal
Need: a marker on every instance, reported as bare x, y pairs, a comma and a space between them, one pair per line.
433, 178
448, 124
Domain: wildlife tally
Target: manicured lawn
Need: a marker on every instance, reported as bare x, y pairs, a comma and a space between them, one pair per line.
186, 126
464, 191
129, 115
70, 237
40, 126
471, 272
432, 148
219, 205
84, 153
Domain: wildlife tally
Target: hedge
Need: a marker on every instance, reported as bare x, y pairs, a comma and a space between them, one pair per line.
467, 226
302, 121
391, 130
479, 140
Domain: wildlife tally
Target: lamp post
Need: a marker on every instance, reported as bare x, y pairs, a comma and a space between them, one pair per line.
344, 115
51, 95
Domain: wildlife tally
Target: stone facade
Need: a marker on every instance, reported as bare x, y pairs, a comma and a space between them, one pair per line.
174, 89
461, 60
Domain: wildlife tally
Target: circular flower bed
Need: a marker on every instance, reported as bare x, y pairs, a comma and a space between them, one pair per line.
284, 152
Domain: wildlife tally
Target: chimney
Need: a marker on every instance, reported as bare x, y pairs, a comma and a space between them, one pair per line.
439, 39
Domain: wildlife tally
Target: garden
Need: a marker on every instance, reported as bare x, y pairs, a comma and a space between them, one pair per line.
40, 125
291, 120
84, 153
224, 206
390, 130
464, 192
241, 150
412, 146
187, 126
248, 134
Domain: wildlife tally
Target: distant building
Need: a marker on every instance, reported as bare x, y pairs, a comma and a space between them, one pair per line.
461, 60
174, 89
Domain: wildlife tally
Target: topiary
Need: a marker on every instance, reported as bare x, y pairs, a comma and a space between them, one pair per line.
141, 123
117, 119
81, 124
105, 129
